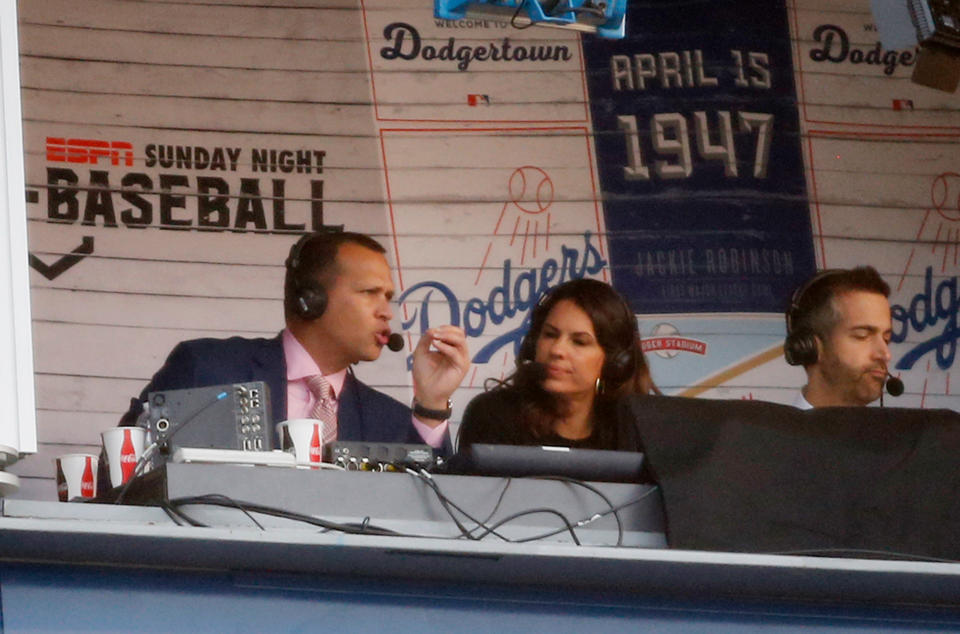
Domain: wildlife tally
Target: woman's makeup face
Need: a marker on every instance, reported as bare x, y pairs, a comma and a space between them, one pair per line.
569, 351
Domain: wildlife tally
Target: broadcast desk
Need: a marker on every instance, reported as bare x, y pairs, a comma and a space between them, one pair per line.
103, 567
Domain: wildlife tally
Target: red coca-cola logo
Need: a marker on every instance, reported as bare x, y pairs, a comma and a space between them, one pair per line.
315, 445
128, 457
86, 481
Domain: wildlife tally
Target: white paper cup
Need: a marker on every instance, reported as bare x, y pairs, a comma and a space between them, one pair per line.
124, 447
76, 476
303, 437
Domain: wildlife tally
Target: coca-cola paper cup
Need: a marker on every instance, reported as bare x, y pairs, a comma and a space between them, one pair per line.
124, 447
303, 437
76, 476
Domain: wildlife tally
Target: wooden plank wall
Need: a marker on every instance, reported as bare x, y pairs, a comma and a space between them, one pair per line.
397, 153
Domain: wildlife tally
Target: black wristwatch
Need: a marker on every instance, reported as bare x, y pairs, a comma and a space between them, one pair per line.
432, 414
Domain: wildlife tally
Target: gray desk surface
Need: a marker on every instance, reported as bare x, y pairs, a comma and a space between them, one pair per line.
146, 537
530, 509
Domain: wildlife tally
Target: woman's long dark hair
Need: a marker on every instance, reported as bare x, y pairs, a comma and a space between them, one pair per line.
625, 369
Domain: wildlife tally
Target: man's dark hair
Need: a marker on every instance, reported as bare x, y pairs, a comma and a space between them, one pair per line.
812, 309
312, 262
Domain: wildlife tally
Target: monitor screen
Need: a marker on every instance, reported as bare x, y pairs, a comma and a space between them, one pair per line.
597, 465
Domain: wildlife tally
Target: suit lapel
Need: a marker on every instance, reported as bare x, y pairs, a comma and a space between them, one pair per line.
271, 365
349, 412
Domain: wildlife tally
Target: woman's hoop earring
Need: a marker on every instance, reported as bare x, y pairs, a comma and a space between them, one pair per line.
599, 386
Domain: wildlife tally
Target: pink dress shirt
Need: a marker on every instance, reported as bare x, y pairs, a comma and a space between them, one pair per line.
300, 400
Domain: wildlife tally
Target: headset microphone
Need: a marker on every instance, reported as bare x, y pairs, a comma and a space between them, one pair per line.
894, 385
395, 342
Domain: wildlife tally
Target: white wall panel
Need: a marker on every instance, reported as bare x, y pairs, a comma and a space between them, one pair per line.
408, 159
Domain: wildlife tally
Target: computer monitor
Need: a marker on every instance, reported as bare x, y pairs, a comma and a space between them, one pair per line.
596, 465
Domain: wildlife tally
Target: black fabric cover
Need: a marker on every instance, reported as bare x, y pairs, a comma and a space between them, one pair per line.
751, 476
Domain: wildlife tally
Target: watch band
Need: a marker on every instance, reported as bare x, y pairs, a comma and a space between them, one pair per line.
433, 414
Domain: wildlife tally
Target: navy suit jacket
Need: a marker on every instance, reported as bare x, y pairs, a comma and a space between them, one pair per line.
364, 414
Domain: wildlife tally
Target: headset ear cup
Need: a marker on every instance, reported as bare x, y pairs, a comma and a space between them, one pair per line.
801, 349
311, 301
800, 346
790, 350
309, 297
809, 350
527, 350
618, 368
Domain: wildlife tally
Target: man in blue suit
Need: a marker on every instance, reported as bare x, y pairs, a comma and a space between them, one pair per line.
337, 307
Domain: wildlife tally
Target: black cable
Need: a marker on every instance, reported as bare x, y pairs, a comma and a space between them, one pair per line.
479, 523
569, 527
174, 511
365, 522
446, 503
516, 14
600, 494
217, 500
363, 529
496, 506
614, 509
172, 507
233, 503
488, 530
171, 513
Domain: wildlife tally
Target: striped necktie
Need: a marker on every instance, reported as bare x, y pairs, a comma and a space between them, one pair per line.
325, 408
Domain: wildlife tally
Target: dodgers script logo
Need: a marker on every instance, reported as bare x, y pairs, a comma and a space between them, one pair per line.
934, 309
935, 306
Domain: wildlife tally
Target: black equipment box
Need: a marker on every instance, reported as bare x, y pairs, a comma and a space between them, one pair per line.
232, 416
372, 456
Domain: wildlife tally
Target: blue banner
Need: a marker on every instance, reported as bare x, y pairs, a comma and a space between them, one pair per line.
699, 157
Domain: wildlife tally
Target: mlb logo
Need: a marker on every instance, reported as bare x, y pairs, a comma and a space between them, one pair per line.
476, 100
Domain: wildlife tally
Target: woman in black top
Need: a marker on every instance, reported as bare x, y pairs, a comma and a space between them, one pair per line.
581, 354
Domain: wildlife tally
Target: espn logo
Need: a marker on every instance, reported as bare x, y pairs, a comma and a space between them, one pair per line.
61, 150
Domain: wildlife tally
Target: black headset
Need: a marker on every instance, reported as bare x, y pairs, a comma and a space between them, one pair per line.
308, 294
800, 347
617, 368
